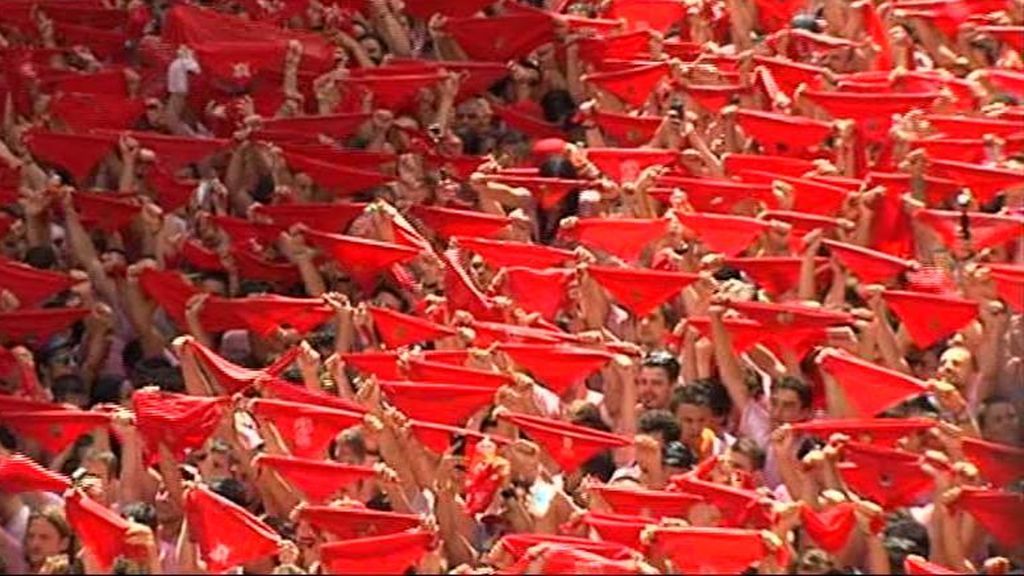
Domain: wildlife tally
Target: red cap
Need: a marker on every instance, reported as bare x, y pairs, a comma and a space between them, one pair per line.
390, 554
502, 38
870, 266
78, 153
783, 134
829, 528
364, 259
997, 511
568, 445
556, 367
19, 473
227, 534
383, 365
619, 528
880, 431
729, 235
440, 373
55, 430
999, 463
917, 312
100, 530
348, 522
739, 506
626, 129
438, 437
307, 430
318, 480
776, 274
542, 291
179, 421
503, 253
633, 86
278, 389
745, 333
623, 164
447, 222
889, 478
659, 15
398, 330
867, 387
735, 164
30, 285
640, 290
622, 237
721, 550
1009, 282
654, 504
451, 404
917, 566
985, 181
718, 195
333, 218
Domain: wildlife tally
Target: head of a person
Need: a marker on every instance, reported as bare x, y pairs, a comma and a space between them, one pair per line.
746, 455
660, 424
691, 405
70, 389
905, 537
999, 421
956, 366
214, 463
814, 561
350, 447
47, 533
658, 375
374, 47
103, 469
654, 326
473, 115
790, 401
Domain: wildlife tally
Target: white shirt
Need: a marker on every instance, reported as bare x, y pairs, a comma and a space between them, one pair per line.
177, 74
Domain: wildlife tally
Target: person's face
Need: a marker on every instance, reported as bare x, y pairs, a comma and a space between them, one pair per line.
346, 455
61, 364
214, 464
1002, 424
955, 366
693, 419
785, 407
387, 300
652, 328
42, 540
653, 387
373, 49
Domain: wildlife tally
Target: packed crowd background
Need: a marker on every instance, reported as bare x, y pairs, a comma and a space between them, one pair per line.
465, 286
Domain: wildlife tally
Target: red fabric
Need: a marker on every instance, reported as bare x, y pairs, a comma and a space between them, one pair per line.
789, 74
640, 290
618, 528
333, 218
880, 431
559, 367
54, 430
424, 9
504, 253
391, 554
306, 429
364, 259
447, 222
229, 376
879, 35
625, 238
106, 211
83, 112
621, 46
870, 266
254, 267
568, 445
517, 545
626, 129
488, 333
338, 126
830, 528
655, 504
29, 285
393, 92
318, 480
101, 532
782, 134
383, 365
917, 313
502, 38
78, 153
450, 404
179, 421
398, 330
542, 291
172, 152
721, 550
438, 437
439, 373
289, 392
717, 195
987, 230
171, 193
917, 566
244, 231
1012, 36
729, 235
568, 559
349, 522
889, 478
736, 164
19, 473
633, 86
998, 512
745, 333
18, 404
984, 181
999, 463
872, 112
37, 325
528, 123
659, 15
335, 177
625, 164
792, 318
461, 292
1009, 282
186, 24
227, 534
812, 196
777, 275
739, 506
714, 97
264, 314
867, 387
549, 192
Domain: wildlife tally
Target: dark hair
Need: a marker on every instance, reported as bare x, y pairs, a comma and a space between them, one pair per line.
558, 106
601, 466
353, 439
64, 386
693, 394
660, 422
41, 257
986, 406
105, 457
665, 361
751, 449
158, 372
230, 489
254, 287
802, 389
903, 538
106, 390
141, 512
678, 455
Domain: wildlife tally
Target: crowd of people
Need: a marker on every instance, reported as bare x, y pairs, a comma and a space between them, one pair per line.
500, 286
